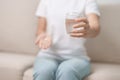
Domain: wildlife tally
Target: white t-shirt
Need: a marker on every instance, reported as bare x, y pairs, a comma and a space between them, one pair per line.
55, 11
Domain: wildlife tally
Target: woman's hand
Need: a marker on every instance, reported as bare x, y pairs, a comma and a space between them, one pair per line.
90, 27
81, 28
43, 40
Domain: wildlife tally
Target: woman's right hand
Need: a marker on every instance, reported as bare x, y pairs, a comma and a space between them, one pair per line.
43, 40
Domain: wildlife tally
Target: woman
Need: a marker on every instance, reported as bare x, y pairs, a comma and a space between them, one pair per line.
63, 56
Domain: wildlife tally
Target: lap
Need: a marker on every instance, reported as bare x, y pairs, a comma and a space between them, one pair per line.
80, 66
74, 62
44, 63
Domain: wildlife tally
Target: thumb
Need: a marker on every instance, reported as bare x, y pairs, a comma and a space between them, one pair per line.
39, 37
37, 40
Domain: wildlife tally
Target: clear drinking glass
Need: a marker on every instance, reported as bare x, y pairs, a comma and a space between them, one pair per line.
70, 21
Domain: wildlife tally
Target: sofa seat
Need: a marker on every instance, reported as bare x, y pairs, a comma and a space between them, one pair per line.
12, 65
100, 71
104, 71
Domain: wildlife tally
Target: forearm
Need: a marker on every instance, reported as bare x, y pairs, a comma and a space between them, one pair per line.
94, 25
41, 26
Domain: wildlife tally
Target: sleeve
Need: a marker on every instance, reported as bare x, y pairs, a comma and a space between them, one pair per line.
92, 7
41, 9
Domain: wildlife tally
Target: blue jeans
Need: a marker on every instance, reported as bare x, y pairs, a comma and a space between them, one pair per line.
46, 68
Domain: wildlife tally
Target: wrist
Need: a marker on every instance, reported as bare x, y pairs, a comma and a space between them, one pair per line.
92, 32
41, 32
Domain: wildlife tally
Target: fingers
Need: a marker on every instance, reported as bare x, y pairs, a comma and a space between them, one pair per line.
40, 44
39, 37
78, 34
79, 31
37, 40
45, 43
81, 24
48, 44
81, 28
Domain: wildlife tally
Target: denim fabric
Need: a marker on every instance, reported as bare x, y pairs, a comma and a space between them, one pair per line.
48, 68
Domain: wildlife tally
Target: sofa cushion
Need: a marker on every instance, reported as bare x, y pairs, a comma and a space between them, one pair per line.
13, 65
104, 71
100, 71
28, 74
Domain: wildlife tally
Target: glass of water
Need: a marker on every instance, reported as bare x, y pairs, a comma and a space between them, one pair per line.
70, 21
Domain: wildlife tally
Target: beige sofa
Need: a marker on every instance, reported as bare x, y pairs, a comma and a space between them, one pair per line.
18, 25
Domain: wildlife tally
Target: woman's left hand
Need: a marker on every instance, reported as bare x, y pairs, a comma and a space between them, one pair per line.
81, 23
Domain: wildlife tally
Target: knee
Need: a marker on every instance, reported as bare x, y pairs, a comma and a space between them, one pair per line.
65, 70
46, 70
43, 72
43, 75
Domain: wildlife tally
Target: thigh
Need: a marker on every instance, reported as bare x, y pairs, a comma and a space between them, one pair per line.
42, 64
80, 66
